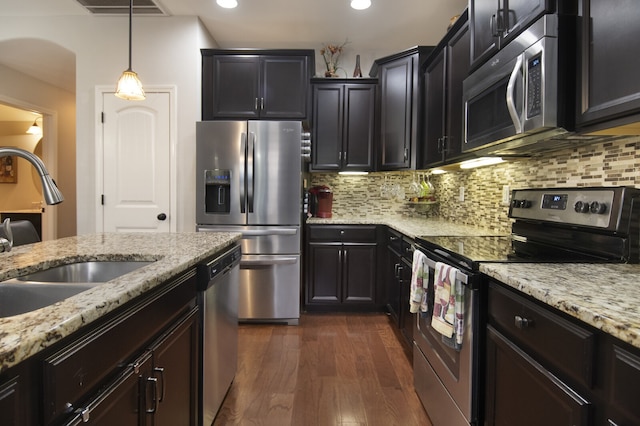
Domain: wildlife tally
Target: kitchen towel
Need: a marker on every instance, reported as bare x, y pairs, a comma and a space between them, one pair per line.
419, 282
448, 303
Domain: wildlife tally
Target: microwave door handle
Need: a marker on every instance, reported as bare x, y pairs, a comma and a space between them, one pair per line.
511, 102
242, 166
251, 170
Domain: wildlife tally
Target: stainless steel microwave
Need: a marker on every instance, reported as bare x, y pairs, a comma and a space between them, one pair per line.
522, 94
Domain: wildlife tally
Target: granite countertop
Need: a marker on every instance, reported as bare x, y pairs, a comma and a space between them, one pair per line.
22, 336
410, 226
604, 296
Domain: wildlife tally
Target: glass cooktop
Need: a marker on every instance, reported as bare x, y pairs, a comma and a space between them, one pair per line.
469, 251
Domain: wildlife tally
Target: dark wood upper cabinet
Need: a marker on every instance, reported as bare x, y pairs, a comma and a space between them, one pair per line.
608, 85
444, 72
343, 124
255, 84
400, 107
496, 22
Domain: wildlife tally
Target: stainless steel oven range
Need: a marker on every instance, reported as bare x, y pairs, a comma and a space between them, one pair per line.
598, 224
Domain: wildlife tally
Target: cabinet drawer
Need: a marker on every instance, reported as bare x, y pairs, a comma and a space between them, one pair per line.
83, 365
565, 347
361, 234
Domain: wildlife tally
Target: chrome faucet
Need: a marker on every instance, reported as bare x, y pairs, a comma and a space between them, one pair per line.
52, 194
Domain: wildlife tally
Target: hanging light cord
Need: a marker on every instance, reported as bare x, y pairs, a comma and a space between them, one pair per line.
130, 31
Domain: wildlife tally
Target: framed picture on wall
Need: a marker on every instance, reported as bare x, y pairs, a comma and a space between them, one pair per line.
9, 169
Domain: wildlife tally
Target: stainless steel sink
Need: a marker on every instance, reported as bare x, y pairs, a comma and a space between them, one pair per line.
84, 272
43, 288
18, 299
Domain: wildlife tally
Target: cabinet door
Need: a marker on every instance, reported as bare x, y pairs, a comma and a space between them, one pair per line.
485, 22
359, 116
624, 374
359, 276
327, 126
284, 86
495, 22
458, 64
10, 405
120, 401
396, 91
610, 58
324, 273
234, 88
435, 107
393, 285
519, 391
175, 370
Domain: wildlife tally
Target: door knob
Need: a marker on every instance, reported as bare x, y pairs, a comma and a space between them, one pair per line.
162, 216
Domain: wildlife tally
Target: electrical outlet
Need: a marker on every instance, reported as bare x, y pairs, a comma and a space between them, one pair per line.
461, 196
506, 195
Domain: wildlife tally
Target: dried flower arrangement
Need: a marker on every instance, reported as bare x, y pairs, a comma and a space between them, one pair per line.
331, 54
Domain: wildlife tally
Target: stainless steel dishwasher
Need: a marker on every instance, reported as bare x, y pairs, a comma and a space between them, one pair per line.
218, 282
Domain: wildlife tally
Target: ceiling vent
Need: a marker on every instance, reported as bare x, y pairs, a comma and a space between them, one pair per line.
121, 7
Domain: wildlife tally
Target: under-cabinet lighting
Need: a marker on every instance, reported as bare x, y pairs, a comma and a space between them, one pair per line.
353, 173
479, 162
438, 172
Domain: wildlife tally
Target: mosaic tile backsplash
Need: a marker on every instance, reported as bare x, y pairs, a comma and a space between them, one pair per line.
604, 164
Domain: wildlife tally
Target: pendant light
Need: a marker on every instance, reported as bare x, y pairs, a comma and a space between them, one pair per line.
34, 129
129, 86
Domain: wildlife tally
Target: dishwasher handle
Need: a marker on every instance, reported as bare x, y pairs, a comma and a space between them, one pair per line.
267, 260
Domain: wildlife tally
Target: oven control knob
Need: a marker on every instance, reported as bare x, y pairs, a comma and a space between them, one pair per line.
581, 207
598, 208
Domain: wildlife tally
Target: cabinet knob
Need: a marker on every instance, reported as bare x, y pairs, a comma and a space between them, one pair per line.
162, 216
342, 232
522, 322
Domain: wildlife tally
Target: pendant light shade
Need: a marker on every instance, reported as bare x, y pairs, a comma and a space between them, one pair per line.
34, 129
129, 86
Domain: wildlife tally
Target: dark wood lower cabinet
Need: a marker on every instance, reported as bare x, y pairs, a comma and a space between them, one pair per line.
520, 391
544, 367
138, 365
342, 268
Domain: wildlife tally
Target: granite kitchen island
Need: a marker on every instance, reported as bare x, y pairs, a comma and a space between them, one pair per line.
145, 316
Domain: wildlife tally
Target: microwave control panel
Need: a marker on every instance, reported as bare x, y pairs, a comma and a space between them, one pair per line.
534, 86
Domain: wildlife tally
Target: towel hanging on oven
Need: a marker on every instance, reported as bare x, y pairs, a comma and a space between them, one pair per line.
419, 282
448, 303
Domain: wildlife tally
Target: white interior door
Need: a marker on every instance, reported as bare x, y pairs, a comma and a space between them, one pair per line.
137, 164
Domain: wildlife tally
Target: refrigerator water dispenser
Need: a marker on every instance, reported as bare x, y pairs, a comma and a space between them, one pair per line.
217, 191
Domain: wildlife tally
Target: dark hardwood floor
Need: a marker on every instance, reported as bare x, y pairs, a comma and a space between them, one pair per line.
332, 369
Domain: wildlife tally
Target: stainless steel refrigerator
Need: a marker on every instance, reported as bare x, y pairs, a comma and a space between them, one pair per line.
249, 180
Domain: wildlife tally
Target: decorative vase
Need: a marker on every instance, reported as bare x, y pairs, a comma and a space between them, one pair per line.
357, 72
331, 70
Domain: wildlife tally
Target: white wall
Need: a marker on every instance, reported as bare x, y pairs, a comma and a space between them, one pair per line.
165, 52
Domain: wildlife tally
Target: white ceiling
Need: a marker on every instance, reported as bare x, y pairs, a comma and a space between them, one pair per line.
387, 26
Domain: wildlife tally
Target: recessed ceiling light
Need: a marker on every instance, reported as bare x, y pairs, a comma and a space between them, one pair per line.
360, 4
227, 4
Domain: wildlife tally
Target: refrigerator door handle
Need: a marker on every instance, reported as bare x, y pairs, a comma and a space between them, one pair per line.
267, 232
250, 169
242, 183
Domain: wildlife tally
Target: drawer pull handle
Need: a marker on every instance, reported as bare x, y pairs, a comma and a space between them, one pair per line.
522, 323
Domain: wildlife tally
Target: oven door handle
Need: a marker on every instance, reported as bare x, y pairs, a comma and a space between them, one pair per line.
463, 278
511, 102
